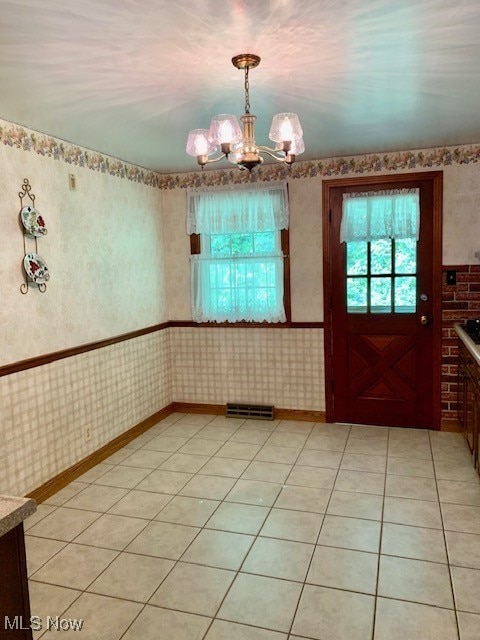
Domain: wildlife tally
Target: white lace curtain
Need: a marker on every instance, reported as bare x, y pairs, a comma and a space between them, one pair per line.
239, 287
380, 214
240, 209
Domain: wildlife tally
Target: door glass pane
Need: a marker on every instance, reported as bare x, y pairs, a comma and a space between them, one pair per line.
357, 295
405, 294
406, 256
381, 295
357, 258
373, 294
381, 256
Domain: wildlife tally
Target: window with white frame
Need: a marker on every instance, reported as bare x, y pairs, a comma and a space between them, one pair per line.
238, 273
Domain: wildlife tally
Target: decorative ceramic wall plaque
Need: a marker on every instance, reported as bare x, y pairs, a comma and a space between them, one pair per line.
33, 222
34, 266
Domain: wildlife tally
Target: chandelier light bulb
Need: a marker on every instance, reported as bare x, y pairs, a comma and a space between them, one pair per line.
286, 130
224, 129
201, 147
285, 124
225, 132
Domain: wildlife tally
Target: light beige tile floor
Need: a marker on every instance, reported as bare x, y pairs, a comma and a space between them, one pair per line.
208, 528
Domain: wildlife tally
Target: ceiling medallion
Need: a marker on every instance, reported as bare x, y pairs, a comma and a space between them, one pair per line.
238, 144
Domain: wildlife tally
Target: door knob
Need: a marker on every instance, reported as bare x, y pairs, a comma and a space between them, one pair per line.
424, 320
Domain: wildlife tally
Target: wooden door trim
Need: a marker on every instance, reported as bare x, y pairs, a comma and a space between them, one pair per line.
436, 177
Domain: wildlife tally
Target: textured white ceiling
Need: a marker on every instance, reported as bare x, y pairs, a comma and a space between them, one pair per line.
132, 77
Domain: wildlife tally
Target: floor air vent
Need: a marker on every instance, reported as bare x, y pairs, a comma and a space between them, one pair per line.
257, 411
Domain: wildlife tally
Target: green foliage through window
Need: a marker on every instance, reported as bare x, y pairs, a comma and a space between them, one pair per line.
381, 276
242, 244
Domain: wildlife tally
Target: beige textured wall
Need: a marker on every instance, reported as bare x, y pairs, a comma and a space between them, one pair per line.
104, 250
461, 214
177, 253
306, 268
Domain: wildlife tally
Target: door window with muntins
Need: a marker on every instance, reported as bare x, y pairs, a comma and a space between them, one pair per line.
381, 231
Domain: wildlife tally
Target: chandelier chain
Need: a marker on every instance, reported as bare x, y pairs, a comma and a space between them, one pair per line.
247, 92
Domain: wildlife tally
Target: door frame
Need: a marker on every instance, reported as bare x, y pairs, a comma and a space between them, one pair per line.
436, 177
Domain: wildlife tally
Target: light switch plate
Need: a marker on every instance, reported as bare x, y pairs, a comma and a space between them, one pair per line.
451, 277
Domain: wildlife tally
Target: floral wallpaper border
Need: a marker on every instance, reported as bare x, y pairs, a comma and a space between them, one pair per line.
13, 135
328, 167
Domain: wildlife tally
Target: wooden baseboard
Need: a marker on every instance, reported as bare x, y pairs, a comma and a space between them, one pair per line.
219, 409
451, 425
194, 407
302, 415
72, 473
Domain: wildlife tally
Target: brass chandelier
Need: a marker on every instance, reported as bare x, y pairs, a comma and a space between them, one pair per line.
238, 144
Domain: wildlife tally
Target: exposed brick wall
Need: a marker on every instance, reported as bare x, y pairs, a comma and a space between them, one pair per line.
460, 302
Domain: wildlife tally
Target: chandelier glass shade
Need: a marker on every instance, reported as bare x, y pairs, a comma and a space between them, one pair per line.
237, 143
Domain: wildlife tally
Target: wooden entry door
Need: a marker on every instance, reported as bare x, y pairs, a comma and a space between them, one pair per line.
384, 359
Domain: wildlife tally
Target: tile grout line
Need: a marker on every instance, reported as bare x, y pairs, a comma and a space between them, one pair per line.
100, 513
380, 539
133, 621
159, 606
60, 614
445, 540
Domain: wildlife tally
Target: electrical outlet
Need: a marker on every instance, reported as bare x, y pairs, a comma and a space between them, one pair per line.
87, 432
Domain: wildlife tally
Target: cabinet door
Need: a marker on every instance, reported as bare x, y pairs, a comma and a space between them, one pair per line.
476, 428
14, 601
461, 392
469, 413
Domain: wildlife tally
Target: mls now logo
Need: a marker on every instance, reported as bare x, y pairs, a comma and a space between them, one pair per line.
35, 623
